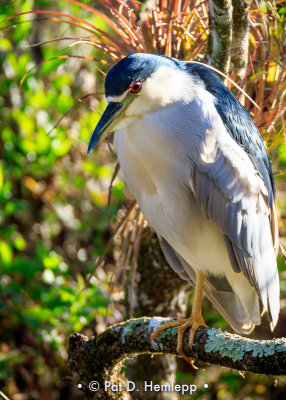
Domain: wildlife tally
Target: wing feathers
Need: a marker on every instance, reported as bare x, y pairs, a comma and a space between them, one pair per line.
230, 192
231, 254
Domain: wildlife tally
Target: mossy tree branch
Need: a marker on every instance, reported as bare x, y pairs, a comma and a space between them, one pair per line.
100, 358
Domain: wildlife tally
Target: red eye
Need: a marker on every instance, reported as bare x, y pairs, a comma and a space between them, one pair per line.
135, 87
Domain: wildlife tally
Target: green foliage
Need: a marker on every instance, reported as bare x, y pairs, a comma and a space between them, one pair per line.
53, 203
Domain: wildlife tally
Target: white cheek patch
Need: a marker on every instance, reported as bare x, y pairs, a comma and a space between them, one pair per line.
165, 86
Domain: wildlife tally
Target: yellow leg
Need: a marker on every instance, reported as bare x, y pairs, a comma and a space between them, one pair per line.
194, 322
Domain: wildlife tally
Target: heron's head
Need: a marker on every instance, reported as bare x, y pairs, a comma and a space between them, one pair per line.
137, 85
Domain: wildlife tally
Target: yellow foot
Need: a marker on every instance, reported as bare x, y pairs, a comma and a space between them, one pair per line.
194, 323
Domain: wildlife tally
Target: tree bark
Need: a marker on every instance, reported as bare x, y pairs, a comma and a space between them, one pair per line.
229, 39
240, 37
98, 360
220, 34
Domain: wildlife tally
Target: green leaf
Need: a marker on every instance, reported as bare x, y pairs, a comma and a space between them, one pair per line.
6, 254
282, 154
19, 242
1, 176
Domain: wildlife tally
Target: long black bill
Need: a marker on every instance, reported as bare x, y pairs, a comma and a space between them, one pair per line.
111, 114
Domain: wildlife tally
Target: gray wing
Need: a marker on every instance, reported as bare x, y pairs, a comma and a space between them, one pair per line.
229, 191
216, 289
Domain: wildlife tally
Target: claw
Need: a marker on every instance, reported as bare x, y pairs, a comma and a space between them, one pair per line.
194, 323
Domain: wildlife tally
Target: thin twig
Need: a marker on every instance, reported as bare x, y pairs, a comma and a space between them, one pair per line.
138, 234
116, 170
69, 110
4, 396
114, 233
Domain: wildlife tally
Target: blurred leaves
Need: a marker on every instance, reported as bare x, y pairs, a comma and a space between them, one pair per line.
53, 204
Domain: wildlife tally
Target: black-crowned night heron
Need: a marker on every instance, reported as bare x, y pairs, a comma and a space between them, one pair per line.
197, 166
